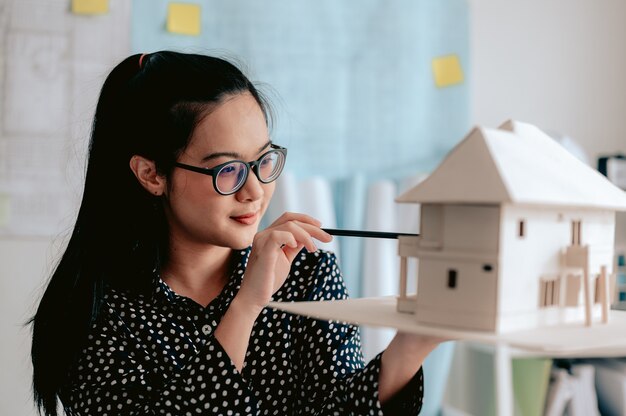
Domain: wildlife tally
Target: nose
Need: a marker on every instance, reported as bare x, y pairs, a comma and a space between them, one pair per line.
252, 190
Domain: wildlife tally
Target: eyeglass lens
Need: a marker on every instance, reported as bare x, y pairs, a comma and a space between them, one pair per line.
232, 176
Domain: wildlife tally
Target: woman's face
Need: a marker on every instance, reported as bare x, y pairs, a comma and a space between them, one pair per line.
197, 214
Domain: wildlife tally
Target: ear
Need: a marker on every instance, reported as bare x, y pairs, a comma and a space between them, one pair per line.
146, 173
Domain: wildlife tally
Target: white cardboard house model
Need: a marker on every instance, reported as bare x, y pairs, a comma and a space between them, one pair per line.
515, 233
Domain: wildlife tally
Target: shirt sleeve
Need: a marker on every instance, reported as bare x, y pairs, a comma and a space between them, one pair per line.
114, 377
331, 362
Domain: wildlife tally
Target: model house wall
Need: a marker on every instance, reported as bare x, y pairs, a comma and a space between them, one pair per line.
531, 260
455, 285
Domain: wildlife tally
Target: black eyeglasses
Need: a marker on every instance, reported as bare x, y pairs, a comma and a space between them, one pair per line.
229, 177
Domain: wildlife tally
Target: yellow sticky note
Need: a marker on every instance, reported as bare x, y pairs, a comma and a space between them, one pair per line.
447, 70
183, 18
4, 209
90, 6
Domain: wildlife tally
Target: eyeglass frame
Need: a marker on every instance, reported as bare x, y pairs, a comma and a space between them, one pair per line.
252, 166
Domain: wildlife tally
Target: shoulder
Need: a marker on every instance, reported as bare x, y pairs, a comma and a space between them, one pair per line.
120, 300
105, 333
313, 276
119, 309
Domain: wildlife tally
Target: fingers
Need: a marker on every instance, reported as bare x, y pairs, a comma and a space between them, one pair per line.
315, 232
300, 235
294, 216
304, 227
272, 243
282, 239
291, 253
305, 233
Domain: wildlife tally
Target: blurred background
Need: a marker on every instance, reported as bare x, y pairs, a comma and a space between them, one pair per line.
369, 95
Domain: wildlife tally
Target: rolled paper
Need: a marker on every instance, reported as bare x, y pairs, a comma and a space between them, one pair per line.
380, 260
285, 198
350, 195
315, 198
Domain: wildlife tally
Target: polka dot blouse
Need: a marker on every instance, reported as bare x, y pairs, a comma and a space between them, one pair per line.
156, 355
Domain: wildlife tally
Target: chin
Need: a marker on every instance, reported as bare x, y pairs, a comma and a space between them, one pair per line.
242, 238
240, 243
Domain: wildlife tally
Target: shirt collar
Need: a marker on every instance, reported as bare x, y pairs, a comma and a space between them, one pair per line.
239, 260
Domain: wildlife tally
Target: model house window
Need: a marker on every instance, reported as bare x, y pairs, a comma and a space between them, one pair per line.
576, 233
549, 294
451, 278
521, 228
487, 267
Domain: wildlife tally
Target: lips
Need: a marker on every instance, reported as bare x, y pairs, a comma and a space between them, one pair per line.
247, 219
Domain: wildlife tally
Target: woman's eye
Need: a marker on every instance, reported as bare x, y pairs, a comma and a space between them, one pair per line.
268, 161
228, 169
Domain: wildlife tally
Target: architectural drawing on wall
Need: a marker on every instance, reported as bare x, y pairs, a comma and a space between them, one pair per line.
37, 84
516, 247
54, 66
515, 233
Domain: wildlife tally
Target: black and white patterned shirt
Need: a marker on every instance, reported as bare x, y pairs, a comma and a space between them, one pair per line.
156, 355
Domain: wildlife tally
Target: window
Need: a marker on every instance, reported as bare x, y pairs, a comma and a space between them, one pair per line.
451, 278
549, 293
576, 232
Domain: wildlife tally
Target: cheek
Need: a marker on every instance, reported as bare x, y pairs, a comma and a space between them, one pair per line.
196, 187
269, 192
195, 195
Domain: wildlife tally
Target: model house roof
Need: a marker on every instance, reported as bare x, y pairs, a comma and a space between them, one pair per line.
516, 163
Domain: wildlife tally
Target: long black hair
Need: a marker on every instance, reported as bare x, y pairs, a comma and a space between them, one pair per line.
149, 105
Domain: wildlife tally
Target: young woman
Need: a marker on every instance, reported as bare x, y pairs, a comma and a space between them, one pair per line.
158, 305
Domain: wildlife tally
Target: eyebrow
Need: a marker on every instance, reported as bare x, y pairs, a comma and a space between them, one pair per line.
234, 155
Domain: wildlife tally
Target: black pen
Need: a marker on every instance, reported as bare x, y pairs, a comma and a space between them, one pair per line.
369, 234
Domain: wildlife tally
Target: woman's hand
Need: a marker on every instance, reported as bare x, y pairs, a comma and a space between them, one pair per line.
273, 251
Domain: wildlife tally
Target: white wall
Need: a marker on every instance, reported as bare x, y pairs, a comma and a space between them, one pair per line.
52, 65
558, 64
23, 263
